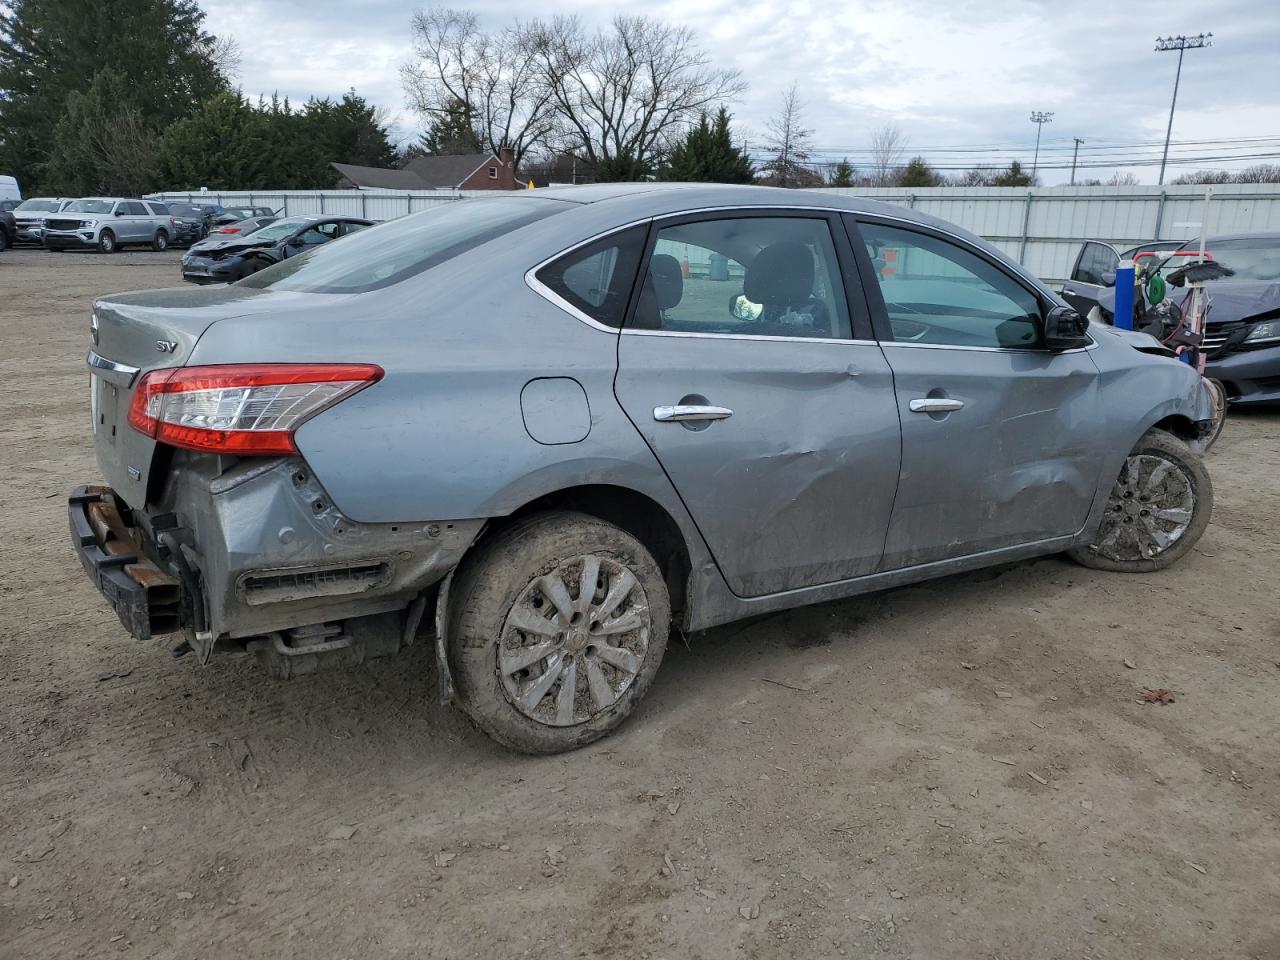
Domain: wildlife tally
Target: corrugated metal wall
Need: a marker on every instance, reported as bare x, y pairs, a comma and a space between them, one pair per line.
1040, 226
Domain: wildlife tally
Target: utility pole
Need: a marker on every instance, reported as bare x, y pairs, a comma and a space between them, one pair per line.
1182, 45
1039, 118
1075, 153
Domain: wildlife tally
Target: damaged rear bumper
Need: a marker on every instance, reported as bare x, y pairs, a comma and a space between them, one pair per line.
229, 555
146, 599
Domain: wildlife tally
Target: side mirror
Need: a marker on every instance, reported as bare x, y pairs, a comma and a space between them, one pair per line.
296, 242
1109, 278
1065, 329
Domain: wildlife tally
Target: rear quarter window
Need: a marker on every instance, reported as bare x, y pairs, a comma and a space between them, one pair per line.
388, 253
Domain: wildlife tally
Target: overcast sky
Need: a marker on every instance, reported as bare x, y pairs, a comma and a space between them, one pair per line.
966, 73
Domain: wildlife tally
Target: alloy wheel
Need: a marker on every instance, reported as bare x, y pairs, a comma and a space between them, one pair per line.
574, 641
1150, 508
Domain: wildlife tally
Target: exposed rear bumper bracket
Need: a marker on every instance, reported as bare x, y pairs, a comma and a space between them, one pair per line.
146, 599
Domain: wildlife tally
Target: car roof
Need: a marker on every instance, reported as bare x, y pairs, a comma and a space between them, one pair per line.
643, 200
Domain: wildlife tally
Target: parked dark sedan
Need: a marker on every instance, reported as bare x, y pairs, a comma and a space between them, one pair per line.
1242, 336
215, 260
234, 214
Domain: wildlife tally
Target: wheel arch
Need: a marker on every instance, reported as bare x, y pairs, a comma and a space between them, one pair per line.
637, 513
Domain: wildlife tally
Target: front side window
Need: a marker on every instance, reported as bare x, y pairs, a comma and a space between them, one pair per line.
597, 278
936, 292
1097, 261
320, 233
755, 276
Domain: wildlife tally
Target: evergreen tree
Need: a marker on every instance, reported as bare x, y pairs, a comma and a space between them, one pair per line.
1015, 176
917, 173
51, 49
843, 174
451, 133
102, 144
623, 168
706, 154
223, 147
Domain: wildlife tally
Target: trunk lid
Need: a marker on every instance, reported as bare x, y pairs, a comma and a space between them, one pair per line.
135, 333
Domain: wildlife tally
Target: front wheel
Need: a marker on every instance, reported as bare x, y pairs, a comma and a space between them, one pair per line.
556, 628
106, 242
1157, 511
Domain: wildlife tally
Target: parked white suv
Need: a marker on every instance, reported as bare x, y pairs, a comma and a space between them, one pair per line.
31, 214
107, 224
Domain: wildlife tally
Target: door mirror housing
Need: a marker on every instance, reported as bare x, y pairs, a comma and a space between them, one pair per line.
1065, 329
1109, 278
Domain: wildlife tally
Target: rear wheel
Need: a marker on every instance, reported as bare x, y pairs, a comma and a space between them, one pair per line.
556, 629
106, 242
160, 242
1158, 509
252, 266
4, 241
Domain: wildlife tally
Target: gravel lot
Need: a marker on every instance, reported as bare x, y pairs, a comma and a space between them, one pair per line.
955, 770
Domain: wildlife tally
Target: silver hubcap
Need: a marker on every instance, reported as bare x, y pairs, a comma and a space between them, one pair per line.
574, 641
1149, 509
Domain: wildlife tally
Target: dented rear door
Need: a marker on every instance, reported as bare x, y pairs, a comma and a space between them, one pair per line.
792, 483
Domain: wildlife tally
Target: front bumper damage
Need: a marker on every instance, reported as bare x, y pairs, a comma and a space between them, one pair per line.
254, 552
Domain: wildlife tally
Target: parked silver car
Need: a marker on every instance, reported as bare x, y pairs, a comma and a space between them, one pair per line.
557, 424
106, 224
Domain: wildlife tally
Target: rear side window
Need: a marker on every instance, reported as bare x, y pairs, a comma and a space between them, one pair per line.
398, 249
597, 278
158, 209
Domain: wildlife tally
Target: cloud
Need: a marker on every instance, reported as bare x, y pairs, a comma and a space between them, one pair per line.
962, 72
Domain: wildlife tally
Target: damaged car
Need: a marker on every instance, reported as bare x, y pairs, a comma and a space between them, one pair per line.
540, 432
1242, 330
225, 258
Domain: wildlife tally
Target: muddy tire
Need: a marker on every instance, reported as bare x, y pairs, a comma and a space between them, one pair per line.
556, 628
1156, 512
106, 242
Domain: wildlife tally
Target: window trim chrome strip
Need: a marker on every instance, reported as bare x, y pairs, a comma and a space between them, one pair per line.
537, 286
119, 373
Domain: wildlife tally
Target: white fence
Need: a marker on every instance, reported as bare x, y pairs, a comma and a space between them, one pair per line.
1042, 227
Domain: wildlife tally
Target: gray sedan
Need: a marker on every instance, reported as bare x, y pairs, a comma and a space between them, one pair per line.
555, 425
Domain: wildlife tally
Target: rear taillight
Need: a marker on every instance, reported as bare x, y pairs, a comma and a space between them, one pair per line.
242, 408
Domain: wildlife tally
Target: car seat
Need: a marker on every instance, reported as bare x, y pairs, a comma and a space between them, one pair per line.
663, 289
780, 278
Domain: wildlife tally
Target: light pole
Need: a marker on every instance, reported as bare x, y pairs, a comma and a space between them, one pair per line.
1039, 118
1182, 45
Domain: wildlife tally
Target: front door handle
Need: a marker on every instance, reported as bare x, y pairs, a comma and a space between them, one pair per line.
682, 413
935, 405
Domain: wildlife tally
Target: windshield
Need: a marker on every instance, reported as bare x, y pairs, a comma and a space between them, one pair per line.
388, 253
44, 206
90, 206
185, 210
1252, 258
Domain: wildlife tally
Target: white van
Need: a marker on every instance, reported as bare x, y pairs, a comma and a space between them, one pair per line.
9, 189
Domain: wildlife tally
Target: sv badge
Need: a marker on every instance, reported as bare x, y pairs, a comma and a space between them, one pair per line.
166, 346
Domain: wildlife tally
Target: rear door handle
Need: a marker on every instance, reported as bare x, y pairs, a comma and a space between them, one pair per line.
935, 405
680, 413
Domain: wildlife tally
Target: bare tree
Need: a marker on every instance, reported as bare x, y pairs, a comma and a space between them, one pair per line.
788, 144
495, 77
620, 94
888, 147
225, 54
1123, 179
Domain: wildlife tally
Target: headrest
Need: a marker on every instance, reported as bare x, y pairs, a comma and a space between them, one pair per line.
667, 280
780, 273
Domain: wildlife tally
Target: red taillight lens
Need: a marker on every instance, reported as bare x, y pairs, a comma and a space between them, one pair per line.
246, 409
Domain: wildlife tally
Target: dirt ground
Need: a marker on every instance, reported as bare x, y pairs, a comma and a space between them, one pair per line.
955, 770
